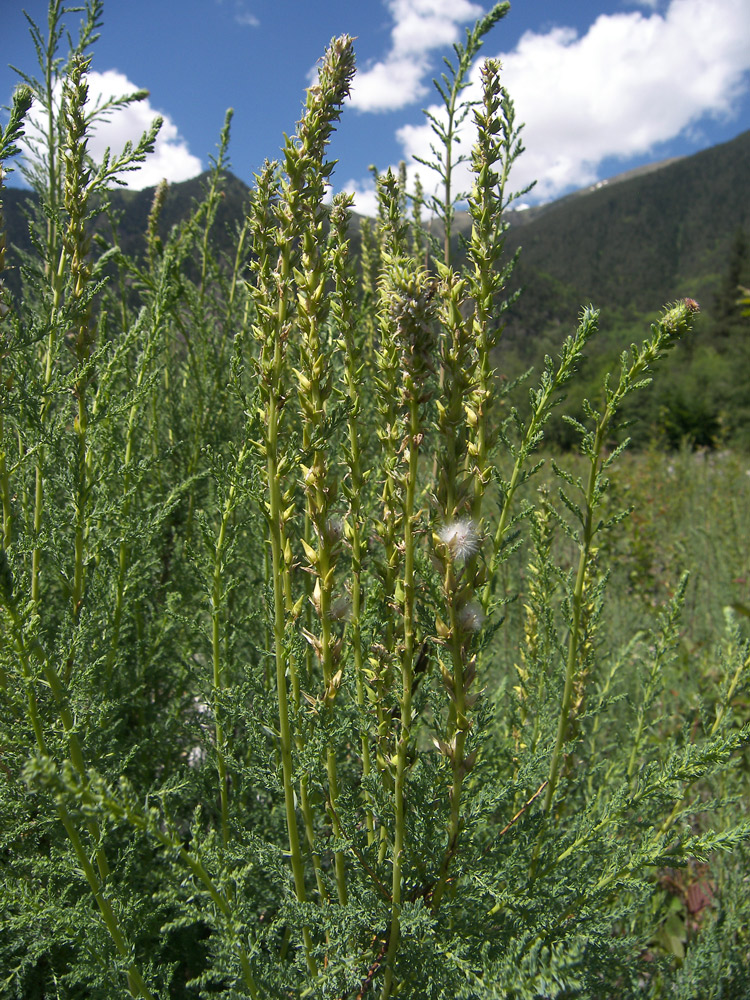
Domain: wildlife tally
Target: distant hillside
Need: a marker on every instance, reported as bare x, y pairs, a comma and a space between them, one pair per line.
679, 228
630, 246
636, 241
131, 209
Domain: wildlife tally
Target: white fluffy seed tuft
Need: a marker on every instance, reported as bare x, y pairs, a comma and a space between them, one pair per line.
460, 537
471, 617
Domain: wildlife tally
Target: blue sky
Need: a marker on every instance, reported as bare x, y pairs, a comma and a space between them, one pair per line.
602, 85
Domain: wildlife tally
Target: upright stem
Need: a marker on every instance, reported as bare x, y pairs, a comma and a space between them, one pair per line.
458, 749
123, 552
407, 679
285, 736
81, 427
217, 594
352, 376
60, 697
36, 554
136, 982
356, 627
578, 595
544, 399
51, 138
326, 574
5, 490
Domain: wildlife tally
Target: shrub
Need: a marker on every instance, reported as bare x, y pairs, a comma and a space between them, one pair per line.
264, 730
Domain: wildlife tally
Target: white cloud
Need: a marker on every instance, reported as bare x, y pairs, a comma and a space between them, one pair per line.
630, 82
387, 86
420, 26
246, 19
365, 199
171, 158
242, 16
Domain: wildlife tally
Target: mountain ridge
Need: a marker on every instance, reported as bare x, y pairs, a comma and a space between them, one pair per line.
642, 238
680, 228
681, 225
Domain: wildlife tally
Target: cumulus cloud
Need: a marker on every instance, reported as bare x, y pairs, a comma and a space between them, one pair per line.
365, 199
420, 26
171, 158
633, 80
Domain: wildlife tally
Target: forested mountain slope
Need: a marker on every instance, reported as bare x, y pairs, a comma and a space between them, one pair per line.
638, 242
627, 245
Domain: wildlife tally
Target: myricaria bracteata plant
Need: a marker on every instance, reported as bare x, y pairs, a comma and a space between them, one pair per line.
264, 521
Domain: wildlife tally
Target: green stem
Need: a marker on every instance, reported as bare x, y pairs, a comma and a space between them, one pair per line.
356, 641
640, 725
515, 481
742, 667
325, 581
51, 137
577, 608
80, 504
355, 500
458, 739
5, 491
543, 402
172, 842
135, 980
285, 736
217, 595
66, 716
36, 555
52, 194
123, 557
307, 817
218, 682
136, 983
407, 678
